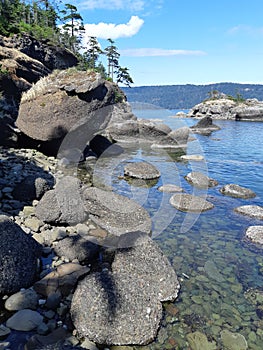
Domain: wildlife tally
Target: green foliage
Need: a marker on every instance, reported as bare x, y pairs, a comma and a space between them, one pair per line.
188, 95
3, 71
239, 98
118, 97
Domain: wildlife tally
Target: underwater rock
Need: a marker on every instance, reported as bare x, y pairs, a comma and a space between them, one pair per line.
199, 341
233, 341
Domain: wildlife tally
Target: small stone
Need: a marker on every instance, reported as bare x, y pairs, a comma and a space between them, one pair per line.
169, 188
4, 331
25, 299
233, 341
43, 329
24, 320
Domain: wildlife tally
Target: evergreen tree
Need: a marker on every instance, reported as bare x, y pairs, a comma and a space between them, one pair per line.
124, 77
113, 59
93, 52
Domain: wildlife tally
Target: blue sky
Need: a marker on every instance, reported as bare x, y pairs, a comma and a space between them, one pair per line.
165, 42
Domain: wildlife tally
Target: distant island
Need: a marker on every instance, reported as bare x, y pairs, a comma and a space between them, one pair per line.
187, 96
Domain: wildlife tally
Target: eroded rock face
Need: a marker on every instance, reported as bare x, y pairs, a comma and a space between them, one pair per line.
123, 306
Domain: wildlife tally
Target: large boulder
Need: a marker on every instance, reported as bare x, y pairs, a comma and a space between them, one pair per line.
68, 101
115, 213
19, 255
123, 306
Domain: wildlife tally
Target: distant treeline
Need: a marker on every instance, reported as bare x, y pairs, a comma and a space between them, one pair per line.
186, 96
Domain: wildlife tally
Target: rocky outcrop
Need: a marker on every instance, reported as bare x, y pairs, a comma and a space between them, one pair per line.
205, 126
227, 108
123, 306
52, 57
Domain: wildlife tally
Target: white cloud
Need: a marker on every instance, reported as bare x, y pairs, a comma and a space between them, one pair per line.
110, 30
151, 52
245, 29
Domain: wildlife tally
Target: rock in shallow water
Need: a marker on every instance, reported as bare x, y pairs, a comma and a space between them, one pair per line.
200, 180
255, 234
254, 211
190, 203
237, 191
24, 320
141, 170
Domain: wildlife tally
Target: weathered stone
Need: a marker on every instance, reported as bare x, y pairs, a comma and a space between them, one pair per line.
52, 341
77, 247
192, 157
24, 299
199, 341
115, 213
141, 170
18, 257
169, 188
108, 310
204, 126
237, 191
63, 204
190, 203
24, 320
4, 331
200, 180
123, 306
61, 280
255, 234
233, 341
254, 211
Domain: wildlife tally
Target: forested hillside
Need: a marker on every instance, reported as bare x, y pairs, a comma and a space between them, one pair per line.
186, 96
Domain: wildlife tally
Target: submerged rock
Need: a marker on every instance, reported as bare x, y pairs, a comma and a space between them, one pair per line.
199, 341
255, 234
141, 170
190, 203
200, 180
170, 188
233, 341
254, 211
237, 191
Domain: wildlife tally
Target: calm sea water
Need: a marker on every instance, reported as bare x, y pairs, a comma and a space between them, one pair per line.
216, 267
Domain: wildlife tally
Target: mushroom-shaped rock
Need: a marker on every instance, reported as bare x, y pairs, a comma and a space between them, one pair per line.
200, 180
115, 213
142, 170
254, 211
237, 191
190, 203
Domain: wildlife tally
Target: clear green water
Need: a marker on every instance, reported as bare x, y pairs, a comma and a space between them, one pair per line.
216, 267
